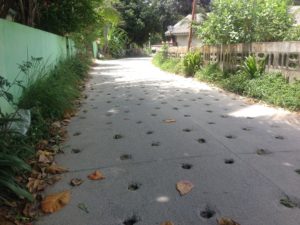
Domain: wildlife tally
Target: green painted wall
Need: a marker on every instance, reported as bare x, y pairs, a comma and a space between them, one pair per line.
18, 43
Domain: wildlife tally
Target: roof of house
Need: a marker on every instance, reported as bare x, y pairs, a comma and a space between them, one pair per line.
183, 26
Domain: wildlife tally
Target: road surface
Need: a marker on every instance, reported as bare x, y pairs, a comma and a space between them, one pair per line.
241, 157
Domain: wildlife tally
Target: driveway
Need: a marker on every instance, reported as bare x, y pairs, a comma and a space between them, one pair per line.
146, 130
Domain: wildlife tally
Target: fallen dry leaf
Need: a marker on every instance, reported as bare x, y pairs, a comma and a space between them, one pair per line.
55, 169
53, 179
226, 221
35, 185
41, 145
44, 156
167, 223
97, 175
184, 187
169, 121
76, 182
55, 202
31, 210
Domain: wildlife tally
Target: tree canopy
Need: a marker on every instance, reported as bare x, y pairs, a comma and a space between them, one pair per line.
244, 21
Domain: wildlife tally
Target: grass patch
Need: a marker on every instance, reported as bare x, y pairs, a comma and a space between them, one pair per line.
48, 95
172, 65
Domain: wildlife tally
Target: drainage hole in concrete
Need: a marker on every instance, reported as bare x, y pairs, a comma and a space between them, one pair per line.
229, 161
149, 132
139, 122
207, 213
297, 171
175, 108
118, 136
186, 166
134, 186
126, 157
153, 114
76, 150
224, 116
246, 128
230, 136
262, 151
201, 140
108, 101
187, 115
211, 123
279, 137
77, 133
187, 130
155, 144
209, 111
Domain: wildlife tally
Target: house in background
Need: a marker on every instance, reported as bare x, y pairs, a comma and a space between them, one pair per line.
178, 34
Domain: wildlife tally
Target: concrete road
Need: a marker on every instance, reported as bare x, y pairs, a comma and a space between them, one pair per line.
241, 157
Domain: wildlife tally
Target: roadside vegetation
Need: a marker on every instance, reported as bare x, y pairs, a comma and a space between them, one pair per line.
32, 135
249, 80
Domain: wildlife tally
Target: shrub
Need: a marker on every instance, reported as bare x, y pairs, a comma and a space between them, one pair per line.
13, 149
210, 73
274, 88
253, 67
192, 62
54, 92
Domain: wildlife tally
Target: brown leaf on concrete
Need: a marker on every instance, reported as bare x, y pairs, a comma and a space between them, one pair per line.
55, 169
97, 175
169, 121
55, 202
184, 187
167, 223
53, 179
76, 182
226, 221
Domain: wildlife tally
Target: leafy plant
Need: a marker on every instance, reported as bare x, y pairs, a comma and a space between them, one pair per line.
192, 62
253, 67
52, 92
245, 21
13, 148
117, 40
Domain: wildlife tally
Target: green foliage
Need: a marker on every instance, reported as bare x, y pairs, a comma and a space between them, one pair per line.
293, 34
117, 40
68, 16
271, 88
53, 92
13, 149
245, 21
253, 67
139, 19
192, 62
172, 65
274, 89
210, 73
